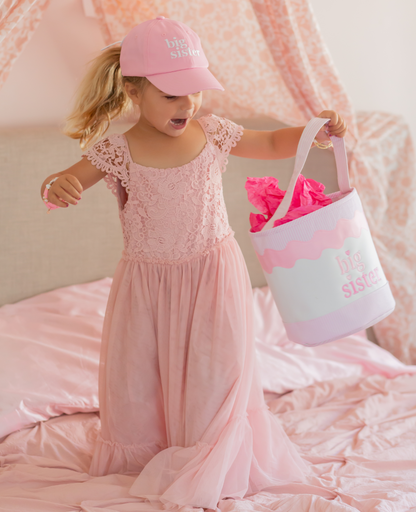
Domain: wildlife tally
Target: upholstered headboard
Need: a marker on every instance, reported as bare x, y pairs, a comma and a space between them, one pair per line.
41, 252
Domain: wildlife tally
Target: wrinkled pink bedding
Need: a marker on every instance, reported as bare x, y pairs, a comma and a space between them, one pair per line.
348, 406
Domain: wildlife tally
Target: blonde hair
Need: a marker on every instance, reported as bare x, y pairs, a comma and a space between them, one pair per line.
100, 97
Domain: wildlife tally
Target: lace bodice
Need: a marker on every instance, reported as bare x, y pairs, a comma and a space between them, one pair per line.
170, 215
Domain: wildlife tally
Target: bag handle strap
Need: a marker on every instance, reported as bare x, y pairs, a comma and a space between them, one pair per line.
304, 146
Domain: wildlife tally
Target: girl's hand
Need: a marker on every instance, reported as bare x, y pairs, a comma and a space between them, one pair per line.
336, 126
66, 189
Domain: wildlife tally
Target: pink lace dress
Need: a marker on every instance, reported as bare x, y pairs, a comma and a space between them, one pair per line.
181, 402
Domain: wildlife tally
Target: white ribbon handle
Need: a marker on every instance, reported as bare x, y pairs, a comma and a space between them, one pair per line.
304, 146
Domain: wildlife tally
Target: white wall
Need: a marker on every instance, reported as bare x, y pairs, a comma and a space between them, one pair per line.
373, 46
372, 42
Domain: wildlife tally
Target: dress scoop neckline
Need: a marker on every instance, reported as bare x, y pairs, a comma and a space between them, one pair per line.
166, 168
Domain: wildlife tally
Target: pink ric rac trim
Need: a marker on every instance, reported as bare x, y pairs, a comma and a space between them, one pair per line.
312, 249
352, 318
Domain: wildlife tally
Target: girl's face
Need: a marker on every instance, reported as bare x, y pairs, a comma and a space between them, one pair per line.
158, 110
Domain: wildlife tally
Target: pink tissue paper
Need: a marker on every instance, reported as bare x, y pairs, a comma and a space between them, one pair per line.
265, 194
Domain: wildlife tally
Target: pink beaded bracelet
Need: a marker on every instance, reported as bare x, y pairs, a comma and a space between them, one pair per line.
49, 205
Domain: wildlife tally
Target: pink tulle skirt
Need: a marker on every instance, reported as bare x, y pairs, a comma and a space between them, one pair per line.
181, 401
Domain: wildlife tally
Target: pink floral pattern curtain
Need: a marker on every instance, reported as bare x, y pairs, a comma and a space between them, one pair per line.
18, 20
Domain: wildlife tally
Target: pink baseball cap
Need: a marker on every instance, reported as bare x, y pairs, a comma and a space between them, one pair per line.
169, 54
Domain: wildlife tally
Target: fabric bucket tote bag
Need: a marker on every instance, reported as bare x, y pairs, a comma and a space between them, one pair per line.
322, 269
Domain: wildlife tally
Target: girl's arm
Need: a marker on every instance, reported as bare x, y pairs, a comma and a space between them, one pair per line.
283, 143
72, 182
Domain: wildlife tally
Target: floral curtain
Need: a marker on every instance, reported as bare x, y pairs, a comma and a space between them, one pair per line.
18, 20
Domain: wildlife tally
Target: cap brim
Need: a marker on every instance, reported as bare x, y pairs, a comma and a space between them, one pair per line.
186, 81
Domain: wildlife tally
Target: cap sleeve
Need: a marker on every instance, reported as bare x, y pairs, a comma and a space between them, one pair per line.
109, 155
223, 134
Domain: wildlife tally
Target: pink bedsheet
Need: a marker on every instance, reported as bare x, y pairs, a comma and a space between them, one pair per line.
348, 406
358, 432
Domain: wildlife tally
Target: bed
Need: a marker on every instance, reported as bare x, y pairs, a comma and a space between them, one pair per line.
348, 406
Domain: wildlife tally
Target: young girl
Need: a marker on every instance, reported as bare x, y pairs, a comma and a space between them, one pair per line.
181, 402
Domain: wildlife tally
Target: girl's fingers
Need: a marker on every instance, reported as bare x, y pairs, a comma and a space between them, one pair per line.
332, 115
54, 199
74, 186
65, 191
341, 131
72, 193
334, 122
63, 195
336, 125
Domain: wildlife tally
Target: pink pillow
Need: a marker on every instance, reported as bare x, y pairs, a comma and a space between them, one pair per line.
49, 354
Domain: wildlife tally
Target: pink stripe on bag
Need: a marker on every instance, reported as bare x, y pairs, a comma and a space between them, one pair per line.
312, 249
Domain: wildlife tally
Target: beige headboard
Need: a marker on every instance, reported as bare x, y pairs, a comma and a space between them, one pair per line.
41, 252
